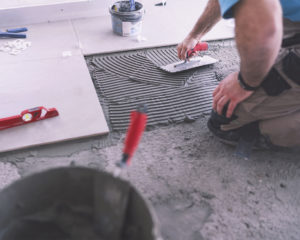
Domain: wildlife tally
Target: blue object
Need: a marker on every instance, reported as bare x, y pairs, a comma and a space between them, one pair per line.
132, 5
14, 33
11, 35
291, 9
17, 30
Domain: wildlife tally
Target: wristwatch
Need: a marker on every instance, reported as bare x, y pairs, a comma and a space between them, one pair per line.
245, 85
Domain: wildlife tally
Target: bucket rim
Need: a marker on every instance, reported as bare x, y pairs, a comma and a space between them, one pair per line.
8, 190
140, 11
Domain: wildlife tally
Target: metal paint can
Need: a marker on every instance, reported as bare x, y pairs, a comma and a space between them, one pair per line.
126, 22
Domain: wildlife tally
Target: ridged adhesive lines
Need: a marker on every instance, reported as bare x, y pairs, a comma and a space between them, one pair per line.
125, 80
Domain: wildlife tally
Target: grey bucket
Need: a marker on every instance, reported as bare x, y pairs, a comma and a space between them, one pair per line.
126, 22
73, 203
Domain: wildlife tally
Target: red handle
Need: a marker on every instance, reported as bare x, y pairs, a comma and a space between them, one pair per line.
203, 46
135, 131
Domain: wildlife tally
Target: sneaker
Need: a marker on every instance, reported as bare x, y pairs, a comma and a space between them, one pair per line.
247, 134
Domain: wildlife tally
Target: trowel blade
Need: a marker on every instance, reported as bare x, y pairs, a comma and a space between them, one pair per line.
193, 63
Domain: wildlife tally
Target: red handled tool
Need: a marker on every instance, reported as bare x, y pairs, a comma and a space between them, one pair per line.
138, 121
191, 63
28, 116
203, 46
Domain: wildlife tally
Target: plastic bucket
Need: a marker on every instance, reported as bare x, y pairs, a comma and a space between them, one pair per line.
126, 22
74, 203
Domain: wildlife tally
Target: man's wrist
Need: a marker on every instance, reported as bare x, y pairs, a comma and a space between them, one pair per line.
244, 85
196, 36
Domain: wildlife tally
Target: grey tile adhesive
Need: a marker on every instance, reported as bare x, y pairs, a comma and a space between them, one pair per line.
124, 80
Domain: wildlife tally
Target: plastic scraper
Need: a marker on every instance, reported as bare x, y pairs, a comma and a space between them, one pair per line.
193, 62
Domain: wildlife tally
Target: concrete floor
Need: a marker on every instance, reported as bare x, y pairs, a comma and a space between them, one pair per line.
198, 188
79, 37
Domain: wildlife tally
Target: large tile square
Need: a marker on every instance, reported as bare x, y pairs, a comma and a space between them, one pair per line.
162, 26
61, 83
49, 40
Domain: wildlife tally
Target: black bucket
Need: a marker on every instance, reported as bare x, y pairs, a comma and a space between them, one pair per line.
75, 203
126, 22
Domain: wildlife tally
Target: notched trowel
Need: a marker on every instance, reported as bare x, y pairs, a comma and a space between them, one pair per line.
191, 63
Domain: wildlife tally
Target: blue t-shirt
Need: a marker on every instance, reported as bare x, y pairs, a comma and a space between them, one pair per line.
290, 8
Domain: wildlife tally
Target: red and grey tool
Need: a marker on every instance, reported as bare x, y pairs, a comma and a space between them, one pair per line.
28, 116
193, 62
203, 46
138, 121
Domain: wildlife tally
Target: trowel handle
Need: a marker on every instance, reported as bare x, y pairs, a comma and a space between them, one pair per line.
203, 46
138, 120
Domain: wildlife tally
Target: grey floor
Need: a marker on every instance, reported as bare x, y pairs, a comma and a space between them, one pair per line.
197, 187
76, 38
199, 190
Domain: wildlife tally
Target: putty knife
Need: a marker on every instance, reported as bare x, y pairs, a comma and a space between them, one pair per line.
191, 63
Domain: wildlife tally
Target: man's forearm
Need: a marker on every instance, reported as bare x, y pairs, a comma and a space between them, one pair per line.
210, 16
258, 37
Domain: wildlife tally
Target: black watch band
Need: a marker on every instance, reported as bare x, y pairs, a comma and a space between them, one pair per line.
245, 85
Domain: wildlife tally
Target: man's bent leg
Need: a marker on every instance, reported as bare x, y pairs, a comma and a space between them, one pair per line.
279, 95
278, 98
276, 105
283, 131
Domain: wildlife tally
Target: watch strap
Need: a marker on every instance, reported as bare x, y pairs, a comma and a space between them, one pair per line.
244, 85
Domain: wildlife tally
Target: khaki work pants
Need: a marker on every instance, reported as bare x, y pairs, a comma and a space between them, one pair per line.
278, 116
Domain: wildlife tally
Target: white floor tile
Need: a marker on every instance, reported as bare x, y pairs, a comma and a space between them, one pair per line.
61, 83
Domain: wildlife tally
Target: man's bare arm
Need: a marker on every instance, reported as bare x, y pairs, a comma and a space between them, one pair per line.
258, 37
210, 16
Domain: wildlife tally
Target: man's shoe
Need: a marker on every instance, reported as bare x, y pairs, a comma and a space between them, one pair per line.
246, 135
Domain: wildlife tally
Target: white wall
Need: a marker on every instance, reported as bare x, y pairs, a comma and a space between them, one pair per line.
9, 4
43, 13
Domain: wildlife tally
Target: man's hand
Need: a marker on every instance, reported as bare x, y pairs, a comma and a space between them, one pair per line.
210, 16
229, 90
187, 44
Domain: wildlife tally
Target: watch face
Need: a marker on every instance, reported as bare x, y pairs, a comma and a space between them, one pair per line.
27, 117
